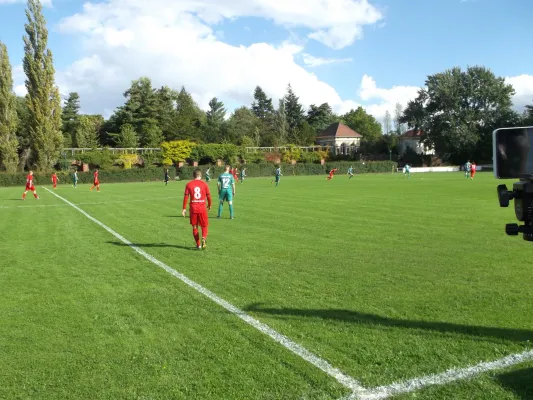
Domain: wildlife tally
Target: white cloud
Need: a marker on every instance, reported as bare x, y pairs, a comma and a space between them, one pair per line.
312, 61
523, 86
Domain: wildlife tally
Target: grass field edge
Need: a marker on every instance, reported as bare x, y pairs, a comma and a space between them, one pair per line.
345, 380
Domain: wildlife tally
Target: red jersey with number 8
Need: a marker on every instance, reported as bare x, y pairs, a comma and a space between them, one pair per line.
199, 193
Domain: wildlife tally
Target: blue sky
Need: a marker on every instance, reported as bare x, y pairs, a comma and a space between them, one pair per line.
413, 38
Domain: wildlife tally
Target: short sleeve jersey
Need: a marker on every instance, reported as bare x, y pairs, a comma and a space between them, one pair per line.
29, 180
96, 176
468, 166
278, 171
407, 168
54, 178
198, 192
226, 180
350, 170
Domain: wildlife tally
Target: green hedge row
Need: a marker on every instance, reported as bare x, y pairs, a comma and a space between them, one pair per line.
111, 176
261, 170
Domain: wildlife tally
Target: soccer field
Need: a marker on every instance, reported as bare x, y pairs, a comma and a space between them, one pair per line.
366, 288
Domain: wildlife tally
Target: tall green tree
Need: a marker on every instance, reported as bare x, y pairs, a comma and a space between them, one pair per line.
320, 117
70, 118
262, 104
151, 134
127, 138
242, 126
294, 110
8, 115
189, 117
458, 110
399, 126
166, 111
281, 124
362, 122
23, 132
387, 123
527, 117
87, 131
215, 117
44, 103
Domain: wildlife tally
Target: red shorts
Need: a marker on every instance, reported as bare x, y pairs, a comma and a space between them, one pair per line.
30, 188
472, 173
199, 218
96, 183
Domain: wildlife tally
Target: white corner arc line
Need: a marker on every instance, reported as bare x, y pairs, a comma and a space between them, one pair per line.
295, 348
384, 392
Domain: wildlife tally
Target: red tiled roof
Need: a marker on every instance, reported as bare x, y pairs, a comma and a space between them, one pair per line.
412, 134
338, 130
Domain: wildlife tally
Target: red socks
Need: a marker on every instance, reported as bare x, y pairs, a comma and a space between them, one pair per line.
35, 195
204, 232
196, 236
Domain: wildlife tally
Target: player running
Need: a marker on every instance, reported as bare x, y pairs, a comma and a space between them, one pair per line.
331, 173
96, 182
243, 174
350, 172
199, 192
226, 191
278, 176
407, 171
30, 186
207, 175
235, 174
473, 170
75, 179
167, 177
468, 168
54, 180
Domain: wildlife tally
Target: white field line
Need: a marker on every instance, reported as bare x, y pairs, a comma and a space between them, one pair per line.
384, 392
95, 203
295, 348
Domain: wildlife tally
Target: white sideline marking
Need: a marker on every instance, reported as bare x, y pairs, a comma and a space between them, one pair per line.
300, 351
384, 392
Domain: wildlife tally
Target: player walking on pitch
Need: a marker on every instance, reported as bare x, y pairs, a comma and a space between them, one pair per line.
473, 170
96, 182
243, 174
407, 171
226, 191
167, 177
75, 179
207, 176
54, 180
199, 193
468, 168
278, 176
30, 186
350, 172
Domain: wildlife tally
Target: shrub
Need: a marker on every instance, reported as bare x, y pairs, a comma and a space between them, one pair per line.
310, 157
98, 159
176, 151
127, 160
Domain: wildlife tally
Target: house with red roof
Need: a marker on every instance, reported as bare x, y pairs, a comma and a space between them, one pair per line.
340, 138
413, 139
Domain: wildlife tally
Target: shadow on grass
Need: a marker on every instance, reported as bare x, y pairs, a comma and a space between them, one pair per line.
153, 245
518, 335
520, 382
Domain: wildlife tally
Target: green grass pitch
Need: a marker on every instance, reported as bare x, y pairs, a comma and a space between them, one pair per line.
387, 279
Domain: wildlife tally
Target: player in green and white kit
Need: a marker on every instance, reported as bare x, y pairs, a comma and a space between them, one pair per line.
407, 171
226, 191
468, 167
350, 172
75, 179
278, 176
243, 174
207, 176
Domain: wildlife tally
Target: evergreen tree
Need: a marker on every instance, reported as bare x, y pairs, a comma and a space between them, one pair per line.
294, 111
189, 117
44, 103
215, 120
166, 111
151, 134
319, 118
262, 105
8, 115
87, 131
127, 138
70, 118
281, 125
242, 124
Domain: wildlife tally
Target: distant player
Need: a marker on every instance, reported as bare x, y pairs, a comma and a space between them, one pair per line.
75, 179
407, 171
243, 174
96, 182
30, 181
226, 191
277, 176
54, 180
167, 177
350, 172
207, 175
236, 174
473, 170
468, 168
199, 192
331, 173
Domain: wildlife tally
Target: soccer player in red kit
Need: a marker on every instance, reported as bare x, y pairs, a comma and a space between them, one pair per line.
96, 183
330, 177
30, 186
199, 193
54, 180
473, 170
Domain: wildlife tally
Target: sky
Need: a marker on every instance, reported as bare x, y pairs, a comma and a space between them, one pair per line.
373, 53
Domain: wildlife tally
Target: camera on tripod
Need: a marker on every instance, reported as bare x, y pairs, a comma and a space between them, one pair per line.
513, 159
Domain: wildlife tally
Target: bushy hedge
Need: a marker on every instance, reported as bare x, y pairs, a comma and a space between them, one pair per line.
111, 176
264, 169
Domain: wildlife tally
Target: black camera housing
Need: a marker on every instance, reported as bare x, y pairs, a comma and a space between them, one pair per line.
522, 194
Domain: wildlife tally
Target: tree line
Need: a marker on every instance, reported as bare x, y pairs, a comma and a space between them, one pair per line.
456, 110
